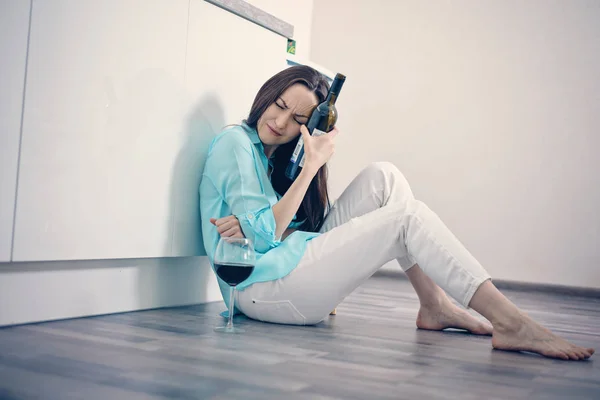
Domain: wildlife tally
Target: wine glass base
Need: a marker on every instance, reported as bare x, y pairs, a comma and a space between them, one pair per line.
232, 329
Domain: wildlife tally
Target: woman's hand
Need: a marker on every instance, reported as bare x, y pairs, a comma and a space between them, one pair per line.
317, 149
228, 227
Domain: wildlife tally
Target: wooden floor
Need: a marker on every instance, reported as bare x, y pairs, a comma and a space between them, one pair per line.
370, 350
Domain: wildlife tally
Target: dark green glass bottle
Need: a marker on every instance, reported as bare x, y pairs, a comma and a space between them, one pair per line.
322, 120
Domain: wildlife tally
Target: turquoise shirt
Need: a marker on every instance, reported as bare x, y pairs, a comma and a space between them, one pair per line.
236, 182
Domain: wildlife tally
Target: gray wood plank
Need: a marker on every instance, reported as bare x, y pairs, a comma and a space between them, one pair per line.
371, 349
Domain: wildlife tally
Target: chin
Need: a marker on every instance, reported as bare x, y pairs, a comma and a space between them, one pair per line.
266, 138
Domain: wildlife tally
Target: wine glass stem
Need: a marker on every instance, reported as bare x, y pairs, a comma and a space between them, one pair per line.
231, 307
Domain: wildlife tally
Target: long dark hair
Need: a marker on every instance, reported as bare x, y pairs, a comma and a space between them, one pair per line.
316, 201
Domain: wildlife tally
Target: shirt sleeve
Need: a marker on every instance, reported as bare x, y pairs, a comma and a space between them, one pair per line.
234, 171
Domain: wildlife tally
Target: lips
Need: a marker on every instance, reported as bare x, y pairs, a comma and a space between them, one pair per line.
273, 131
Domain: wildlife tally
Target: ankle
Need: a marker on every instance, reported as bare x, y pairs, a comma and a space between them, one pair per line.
512, 322
433, 300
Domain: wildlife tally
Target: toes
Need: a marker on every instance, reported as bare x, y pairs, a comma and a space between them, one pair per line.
573, 353
556, 354
485, 329
474, 326
586, 352
591, 351
581, 354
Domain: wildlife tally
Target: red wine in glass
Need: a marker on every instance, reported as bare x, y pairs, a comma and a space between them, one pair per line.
234, 273
233, 263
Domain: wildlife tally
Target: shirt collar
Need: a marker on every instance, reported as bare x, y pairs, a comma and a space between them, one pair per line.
255, 139
252, 134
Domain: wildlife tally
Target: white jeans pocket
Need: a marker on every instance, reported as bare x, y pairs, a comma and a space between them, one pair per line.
279, 312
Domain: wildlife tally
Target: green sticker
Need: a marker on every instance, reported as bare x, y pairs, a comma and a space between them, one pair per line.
291, 46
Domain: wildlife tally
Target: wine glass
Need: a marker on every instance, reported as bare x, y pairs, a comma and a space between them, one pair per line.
234, 262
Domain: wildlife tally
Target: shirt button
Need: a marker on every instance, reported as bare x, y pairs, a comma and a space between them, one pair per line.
250, 216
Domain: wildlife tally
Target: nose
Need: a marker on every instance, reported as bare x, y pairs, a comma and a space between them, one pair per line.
281, 121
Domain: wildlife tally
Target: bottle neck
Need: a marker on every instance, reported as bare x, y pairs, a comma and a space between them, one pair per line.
336, 85
331, 98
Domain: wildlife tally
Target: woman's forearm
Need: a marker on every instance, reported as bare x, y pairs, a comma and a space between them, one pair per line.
288, 205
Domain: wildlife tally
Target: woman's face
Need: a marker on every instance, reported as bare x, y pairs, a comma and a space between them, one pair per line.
280, 123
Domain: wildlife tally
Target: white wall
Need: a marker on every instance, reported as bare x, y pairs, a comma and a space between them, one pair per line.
492, 111
105, 95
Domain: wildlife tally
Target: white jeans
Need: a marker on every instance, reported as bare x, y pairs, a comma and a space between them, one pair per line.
375, 220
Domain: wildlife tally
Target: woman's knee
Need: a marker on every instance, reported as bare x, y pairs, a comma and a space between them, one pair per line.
386, 169
383, 166
390, 177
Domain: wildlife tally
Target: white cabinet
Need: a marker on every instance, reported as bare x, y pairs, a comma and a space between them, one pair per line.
103, 122
117, 122
228, 60
14, 23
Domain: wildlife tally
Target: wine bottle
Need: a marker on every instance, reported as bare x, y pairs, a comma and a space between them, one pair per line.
322, 120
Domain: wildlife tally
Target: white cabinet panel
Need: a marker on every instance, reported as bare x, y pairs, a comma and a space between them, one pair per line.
14, 24
103, 126
228, 60
117, 122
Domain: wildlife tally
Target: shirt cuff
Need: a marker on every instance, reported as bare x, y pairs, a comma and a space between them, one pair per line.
259, 226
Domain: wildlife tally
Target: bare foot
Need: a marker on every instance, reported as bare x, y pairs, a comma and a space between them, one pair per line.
447, 315
524, 334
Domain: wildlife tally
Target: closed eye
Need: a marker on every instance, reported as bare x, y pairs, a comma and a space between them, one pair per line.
284, 106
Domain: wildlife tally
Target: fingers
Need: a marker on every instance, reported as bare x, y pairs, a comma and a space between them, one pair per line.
228, 226
234, 232
304, 132
334, 132
221, 221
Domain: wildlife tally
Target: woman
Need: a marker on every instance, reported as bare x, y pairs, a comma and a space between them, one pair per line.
308, 263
